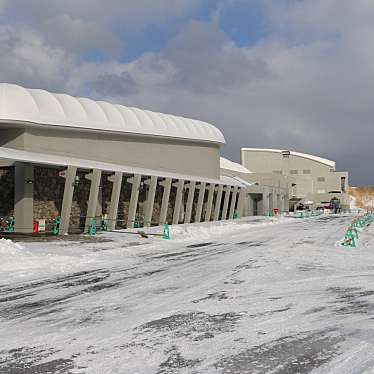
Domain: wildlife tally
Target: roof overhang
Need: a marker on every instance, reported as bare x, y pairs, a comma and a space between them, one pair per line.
15, 155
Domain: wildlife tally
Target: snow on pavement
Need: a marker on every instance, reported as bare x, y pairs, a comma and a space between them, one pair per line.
251, 296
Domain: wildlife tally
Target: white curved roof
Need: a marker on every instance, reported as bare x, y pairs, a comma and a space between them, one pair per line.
44, 108
233, 166
321, 160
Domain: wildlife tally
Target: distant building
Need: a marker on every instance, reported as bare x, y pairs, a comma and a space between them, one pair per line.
266, 192
311, 180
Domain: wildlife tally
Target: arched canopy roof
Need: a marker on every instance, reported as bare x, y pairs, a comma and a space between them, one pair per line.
34, 106
321, 160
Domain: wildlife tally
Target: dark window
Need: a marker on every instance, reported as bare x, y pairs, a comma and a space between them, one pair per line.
342, 182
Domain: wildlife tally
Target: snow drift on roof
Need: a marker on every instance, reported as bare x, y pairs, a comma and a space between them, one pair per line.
233, 166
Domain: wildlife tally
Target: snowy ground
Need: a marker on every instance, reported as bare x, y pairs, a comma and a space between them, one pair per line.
254, 296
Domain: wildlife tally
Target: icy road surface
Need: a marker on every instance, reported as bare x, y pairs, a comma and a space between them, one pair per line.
254, 296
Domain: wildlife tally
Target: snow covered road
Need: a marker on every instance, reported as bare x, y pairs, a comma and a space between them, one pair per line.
253, 296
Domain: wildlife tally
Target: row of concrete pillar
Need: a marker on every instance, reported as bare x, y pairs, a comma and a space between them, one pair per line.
151, 183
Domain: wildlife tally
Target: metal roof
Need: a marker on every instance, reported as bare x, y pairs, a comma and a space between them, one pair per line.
34, 106
321, 160
233, 166
14, 155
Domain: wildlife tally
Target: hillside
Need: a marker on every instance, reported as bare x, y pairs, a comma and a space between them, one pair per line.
364, 196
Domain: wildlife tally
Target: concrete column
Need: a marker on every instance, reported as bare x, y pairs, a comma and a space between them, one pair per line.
233, 202
200, 201
286, 203
191, 194
226, 202
99, 205
165, 200
209, 204
250, 204
217, 207
67, 200
95, 178
242, 201
275, 198
135, 180
24, 198
266, 201
152, 182
178, 201
116, 179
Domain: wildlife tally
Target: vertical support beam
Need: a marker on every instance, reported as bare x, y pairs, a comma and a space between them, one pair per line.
135, 180
95, 178
116, 179
24, 197
275, 198
152, 182
250, 206
165, 200
242, 201
191, 194
286, 203
266, 201
67, 200
99, 205
226, 202
233, 202
209, 205
217, 207
178, 201
200, 201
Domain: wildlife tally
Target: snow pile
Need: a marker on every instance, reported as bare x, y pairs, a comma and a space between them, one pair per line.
198, 231
353, 202
9, 248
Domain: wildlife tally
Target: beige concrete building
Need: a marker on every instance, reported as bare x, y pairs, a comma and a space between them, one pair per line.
77, 159
266, 193
310, 179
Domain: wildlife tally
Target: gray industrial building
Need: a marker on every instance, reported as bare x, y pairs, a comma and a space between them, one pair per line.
311, 180
77, 159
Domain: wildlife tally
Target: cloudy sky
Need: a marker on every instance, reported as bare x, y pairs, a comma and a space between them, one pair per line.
289, 74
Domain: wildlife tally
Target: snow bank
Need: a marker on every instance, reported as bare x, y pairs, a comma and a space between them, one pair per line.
353, 202
9, 248
197, 231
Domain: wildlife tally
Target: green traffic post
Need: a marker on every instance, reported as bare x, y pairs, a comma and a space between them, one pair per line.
136, 223
11, 223
92, 228
104, 224
56, 226
166, 233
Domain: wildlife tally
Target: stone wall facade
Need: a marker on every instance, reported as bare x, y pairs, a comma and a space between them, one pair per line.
48, 194
6, 192
49, 191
